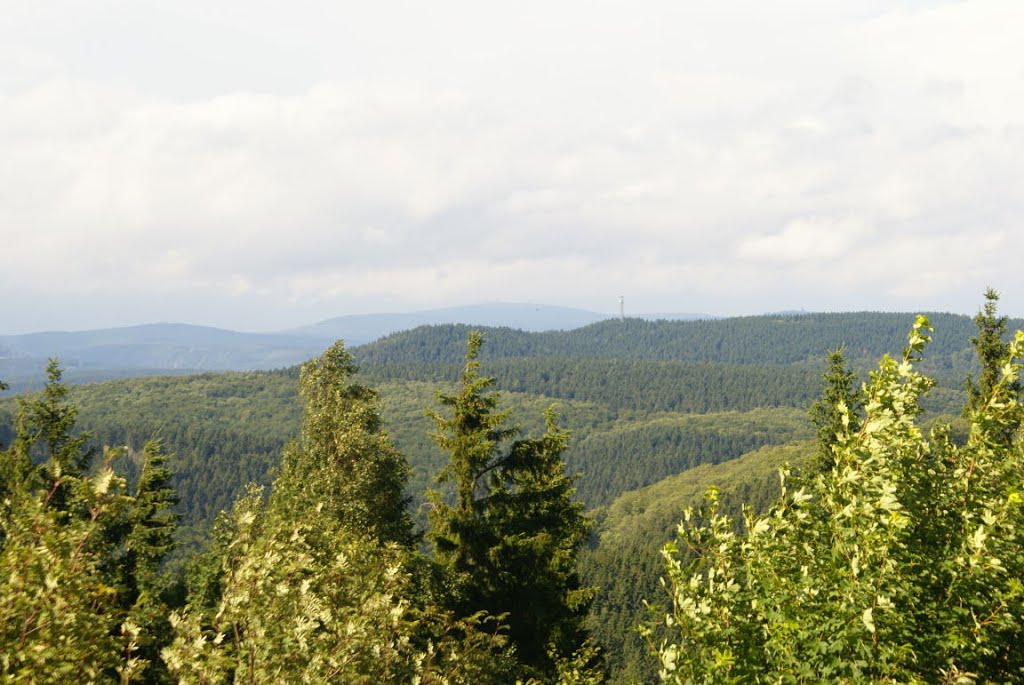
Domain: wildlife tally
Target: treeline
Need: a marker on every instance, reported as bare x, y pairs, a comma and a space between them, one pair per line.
770, 339
686, 387
340, 536
222, 431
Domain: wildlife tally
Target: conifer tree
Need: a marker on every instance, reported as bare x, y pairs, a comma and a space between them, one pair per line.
316, 585
152, 523
839, 403
344, 460
67, 612
512, 533
47, 454
991, 348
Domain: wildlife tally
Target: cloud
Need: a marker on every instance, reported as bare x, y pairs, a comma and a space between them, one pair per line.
728, 158
817, 239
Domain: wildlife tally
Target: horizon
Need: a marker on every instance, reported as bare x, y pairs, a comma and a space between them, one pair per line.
296, 330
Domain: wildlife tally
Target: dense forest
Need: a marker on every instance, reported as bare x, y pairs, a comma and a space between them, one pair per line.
413, 512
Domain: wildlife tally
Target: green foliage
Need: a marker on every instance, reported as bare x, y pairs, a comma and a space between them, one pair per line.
992, 350
631, 384
221, 431
778, 339
512, 532
313, 585
47, 454
839, 403
152, 524
900, 564
344, 462
626, 561
638, 451
306, 600
402, 410
152, 517
678, 395
79, 554
228, 429
60, 619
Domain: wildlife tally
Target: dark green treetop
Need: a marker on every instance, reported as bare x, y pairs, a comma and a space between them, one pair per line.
991, 347
512, 533
837, 410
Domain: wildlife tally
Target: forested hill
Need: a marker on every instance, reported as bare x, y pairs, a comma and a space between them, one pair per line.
615, 382
769, 339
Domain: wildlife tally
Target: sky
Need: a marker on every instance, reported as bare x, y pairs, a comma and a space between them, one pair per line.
260, 165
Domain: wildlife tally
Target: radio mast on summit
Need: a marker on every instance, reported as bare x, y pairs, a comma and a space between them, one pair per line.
622, 307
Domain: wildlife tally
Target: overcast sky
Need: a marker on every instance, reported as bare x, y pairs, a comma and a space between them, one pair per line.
259, 165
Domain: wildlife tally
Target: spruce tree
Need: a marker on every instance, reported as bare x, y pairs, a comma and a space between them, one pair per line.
512, 531
837, 410
152, 524
991, 348
47, 454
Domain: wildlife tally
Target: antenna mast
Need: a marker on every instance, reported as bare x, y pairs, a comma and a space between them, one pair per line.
622, 307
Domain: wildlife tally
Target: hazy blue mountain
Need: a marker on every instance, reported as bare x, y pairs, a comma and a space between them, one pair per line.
181, 348
357, 329
148, 349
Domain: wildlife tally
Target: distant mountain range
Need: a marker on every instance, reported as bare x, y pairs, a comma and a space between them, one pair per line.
163, 348
358, 329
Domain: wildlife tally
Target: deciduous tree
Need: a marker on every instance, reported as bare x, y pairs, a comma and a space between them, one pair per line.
901, 563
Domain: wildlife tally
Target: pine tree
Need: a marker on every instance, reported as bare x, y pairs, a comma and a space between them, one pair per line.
152, 523
837, 410
512, 532
471, 437
539, 531
49, 422
991, 348
46, 454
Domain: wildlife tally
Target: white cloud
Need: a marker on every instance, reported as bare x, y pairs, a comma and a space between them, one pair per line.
730, 157
814, 239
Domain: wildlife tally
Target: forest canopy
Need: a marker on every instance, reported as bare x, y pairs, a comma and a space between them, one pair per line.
890, 551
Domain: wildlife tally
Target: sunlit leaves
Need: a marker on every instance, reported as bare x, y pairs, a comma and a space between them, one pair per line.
900, 563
